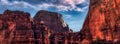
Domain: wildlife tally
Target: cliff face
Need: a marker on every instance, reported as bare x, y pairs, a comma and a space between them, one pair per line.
101, 26
102, 21
52, 20
16, 27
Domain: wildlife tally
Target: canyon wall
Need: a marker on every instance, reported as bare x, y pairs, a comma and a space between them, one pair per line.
102, 22
101, 26
17, 27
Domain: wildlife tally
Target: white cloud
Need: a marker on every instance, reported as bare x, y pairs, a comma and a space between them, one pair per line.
72, 4
65, 5
16, 4
67, 16
79, 9
4, 2
43, 6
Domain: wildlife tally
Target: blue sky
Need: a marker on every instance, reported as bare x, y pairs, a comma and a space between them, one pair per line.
73, 11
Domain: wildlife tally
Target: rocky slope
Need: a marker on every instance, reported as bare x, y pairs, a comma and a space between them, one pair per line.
102, 23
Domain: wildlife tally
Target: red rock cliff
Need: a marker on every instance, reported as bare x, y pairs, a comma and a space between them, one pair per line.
16, 27
102, 21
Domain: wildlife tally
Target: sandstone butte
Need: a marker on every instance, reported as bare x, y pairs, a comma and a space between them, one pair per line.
101, 26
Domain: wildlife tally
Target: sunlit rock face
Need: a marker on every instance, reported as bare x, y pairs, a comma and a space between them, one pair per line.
52, 20
102, 21
15, 27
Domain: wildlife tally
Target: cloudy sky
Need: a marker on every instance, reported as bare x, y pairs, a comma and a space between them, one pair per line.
73, 11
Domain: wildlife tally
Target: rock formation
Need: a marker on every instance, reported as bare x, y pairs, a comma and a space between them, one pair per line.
102, 23
101, 26
16, 27
52, 20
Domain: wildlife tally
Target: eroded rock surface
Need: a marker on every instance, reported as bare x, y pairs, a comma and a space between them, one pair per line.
52, 20
102, 22
17, 27
101, 26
